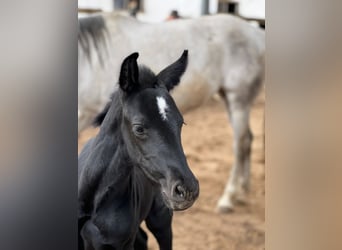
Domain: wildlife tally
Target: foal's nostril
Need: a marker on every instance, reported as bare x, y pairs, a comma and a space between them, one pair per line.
180, 191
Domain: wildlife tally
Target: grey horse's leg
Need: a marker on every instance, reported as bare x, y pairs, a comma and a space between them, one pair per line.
238, 182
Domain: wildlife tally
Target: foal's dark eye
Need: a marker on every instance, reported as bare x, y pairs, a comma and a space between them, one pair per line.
138, 129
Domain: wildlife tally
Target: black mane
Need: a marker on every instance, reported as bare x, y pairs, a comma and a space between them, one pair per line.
93, 29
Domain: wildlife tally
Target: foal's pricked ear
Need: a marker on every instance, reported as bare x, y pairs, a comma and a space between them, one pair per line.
170, 76
129, 74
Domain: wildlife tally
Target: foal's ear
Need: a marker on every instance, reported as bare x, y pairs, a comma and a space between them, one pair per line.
170, 76
129, 74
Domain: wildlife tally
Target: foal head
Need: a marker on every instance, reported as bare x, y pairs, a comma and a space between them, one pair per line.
151, 128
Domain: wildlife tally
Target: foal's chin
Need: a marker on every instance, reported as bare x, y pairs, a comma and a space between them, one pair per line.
174, 205
182, 206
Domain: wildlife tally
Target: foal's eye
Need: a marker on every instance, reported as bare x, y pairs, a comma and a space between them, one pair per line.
138, 129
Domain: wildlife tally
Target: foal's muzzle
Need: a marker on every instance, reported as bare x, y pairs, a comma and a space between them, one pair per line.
183, 195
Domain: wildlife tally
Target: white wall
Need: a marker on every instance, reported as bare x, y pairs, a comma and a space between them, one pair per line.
213, 4
105, 5
159, 10
252, 8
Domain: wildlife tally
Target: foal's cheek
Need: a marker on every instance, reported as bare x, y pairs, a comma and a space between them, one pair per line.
139, 146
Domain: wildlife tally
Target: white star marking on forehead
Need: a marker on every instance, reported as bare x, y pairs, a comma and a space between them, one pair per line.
162, 106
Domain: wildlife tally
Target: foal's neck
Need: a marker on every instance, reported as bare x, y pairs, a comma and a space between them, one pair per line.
119, 165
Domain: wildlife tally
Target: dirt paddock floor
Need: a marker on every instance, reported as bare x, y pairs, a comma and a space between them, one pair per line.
207, 141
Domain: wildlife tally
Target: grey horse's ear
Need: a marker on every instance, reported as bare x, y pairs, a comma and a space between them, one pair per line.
171, 75
129, 74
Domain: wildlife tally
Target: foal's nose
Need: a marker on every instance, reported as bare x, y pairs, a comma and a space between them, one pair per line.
182, 192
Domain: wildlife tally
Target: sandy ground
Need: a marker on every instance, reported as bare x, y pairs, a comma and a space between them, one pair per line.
207, 141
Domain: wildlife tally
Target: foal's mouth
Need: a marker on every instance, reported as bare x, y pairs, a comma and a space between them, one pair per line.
174, 205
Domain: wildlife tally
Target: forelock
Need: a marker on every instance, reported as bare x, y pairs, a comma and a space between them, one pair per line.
147, 78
